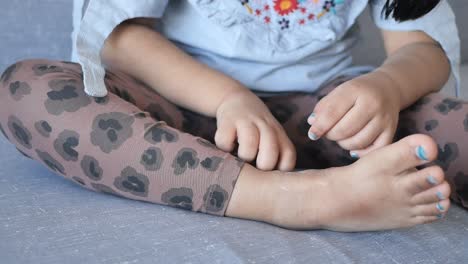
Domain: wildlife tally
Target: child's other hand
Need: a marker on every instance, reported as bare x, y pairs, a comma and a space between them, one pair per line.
361, 114
244, 116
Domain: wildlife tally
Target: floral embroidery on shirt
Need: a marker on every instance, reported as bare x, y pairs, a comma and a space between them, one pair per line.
246, 4
284, 7
284, 23
289, 13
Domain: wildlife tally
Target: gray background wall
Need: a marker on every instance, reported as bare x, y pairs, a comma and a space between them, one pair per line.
42, 29
34, 29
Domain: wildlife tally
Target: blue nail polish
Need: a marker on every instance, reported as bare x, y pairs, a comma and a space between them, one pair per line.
440, 207
354, 155
431, 180
312, 136
421, 153
440, 216
440, 196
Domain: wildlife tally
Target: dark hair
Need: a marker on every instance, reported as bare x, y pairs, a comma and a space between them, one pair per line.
402, 10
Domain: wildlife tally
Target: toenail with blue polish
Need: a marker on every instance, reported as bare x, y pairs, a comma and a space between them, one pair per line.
431, 180
354, 155
440, 196
440, 215
312, 136
440, 207
421, 153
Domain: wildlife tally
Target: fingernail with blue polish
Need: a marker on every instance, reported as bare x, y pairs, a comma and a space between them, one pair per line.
440, 196
354, 155
421, 153
311, 119
440, 207
312, 136
431, 180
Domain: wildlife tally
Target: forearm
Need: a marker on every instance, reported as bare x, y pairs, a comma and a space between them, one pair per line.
416, 70
143, 53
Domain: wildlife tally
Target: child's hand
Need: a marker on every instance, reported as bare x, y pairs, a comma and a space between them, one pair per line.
361, 114
244, 116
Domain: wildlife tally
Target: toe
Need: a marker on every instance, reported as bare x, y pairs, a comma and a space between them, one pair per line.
403, 155
423, 180
432, 195
435, 209
425, 219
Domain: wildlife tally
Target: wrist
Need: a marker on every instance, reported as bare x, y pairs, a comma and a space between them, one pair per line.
232, 93
391, 88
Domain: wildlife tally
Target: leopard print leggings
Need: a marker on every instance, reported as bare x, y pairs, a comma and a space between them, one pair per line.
136, 144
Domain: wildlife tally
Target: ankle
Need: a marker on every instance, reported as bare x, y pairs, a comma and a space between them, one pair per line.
252, 196
299, 200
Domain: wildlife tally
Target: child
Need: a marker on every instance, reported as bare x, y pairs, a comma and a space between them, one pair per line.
255, 77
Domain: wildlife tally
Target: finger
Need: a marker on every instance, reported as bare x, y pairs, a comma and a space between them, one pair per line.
353, 122
268, 150
248, 139
327, 113
363, 138
382, 140
225, 136
287, 153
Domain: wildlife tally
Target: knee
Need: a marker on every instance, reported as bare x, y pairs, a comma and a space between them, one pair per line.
24, 80
12, 84
32, 89
32, 69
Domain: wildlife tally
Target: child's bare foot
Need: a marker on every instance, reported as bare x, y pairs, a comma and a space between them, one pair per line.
381, 191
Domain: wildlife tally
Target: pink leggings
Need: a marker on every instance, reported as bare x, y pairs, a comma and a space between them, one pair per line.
136, 144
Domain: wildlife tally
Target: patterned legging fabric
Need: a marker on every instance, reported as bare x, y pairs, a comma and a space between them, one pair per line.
136, 144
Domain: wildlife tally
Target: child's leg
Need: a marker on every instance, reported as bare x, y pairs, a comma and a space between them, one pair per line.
110, 145
444, 119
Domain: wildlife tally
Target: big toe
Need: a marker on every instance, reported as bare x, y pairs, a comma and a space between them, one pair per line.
403, 155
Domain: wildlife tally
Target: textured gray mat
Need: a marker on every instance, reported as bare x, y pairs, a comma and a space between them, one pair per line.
47, 219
